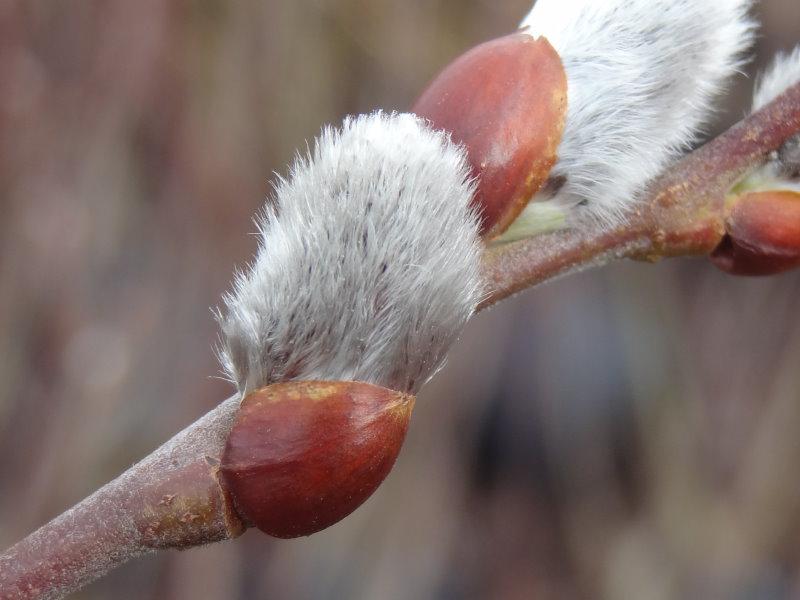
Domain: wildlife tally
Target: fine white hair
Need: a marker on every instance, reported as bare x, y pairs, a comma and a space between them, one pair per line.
368, 262
783, 73
641, 77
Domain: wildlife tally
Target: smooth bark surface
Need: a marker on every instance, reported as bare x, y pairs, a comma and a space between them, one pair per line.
171, 499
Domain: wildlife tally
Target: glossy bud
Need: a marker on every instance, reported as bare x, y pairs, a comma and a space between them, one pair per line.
762, 234
506, 101
303, 455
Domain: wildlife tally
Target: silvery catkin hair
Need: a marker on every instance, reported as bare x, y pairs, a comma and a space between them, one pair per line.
368, 265
368, 262
641, 76
782, 73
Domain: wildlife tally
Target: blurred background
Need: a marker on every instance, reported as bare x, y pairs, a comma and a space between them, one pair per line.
624, 433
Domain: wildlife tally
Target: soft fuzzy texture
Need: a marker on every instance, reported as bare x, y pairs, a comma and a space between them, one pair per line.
641, 75
368, 265
783, 73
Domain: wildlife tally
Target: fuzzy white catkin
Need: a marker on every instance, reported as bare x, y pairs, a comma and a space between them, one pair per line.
783, 73
368, 262
641, 77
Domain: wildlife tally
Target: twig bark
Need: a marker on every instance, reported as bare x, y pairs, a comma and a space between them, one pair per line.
172, 498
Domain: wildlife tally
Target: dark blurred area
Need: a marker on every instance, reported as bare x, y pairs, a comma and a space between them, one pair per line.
625, 433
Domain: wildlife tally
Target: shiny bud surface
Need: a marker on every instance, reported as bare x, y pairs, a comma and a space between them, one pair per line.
505, 101
762, 234
303, 455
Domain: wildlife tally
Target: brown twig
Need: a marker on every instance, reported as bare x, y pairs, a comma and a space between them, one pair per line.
172, 498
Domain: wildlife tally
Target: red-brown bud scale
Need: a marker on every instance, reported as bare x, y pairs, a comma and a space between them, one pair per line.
506, 102
303, 455
762, 234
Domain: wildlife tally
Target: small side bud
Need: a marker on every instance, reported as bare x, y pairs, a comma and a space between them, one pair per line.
762, 234
301, 456
506, 102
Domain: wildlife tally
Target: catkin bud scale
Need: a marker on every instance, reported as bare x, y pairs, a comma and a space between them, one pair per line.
301, 456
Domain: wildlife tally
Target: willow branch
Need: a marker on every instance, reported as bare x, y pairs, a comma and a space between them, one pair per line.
172, 499
681, 215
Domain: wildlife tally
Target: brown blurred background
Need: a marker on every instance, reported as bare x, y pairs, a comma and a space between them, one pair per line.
626, 433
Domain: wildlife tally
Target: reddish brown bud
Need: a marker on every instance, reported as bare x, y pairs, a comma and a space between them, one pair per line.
303, 455
763, 234
506, 101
